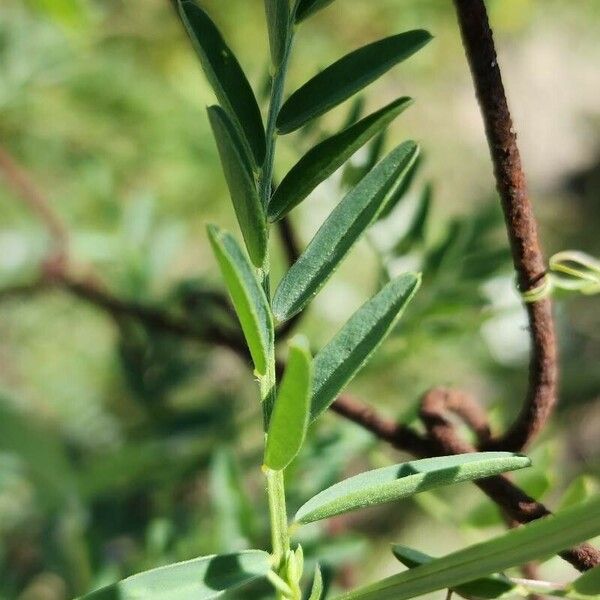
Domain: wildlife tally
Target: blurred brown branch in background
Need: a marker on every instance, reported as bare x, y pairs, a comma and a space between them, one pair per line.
18, 180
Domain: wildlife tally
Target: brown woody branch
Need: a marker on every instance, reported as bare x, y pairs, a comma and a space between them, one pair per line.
442, 439
521, 224
34, 199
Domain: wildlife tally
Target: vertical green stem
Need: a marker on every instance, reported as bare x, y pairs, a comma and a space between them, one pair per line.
277, 90
278, 514
268, 383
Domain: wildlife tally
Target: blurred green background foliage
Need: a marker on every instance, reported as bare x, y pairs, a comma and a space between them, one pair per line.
123, 447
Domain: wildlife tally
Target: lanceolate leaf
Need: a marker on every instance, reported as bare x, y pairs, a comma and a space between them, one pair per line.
201, 578
278, 14
341, 359
536, 540
226, 76
316, 591
417, 229
289, 421
402, 190
399, 481
308, 7
347, 76
242, 187
487, 588
355, 111
322, 160
247, 295
344, 226
588, 585
232, 515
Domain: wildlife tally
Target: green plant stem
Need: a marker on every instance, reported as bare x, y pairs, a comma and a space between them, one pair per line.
278, 513
268, 384
277, 89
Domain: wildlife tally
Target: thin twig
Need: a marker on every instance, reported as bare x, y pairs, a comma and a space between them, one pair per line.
521, 224
443, 440
91, 291
514, 501
18, 179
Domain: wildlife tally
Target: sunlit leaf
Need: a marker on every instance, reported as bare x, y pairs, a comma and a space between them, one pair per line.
241, 184
588, 585
201, 578
247, 295
278, 13
226, 76
487, 588
580, 489
344, 226
344, 78
289, 420
232, 510
325, 158
400, 481
308, 7
343, 357
536, 540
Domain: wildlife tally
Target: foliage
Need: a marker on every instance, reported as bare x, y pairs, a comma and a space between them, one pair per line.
286, 414
169, 437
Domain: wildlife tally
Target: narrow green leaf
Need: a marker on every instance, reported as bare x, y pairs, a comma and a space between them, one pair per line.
406, 479
308, 7
355, 111
43, 453
278, 16
344, 78
225, 76
487, 588
242, 187
580, 489
201, 578
341, 359
344, 226
417, 229
537, 540
233, 516
325, 158
354, 173
403, 190
588, 585
316, 591
247, 295
289, 420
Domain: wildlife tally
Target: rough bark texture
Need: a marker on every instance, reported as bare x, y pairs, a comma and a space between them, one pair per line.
521, 225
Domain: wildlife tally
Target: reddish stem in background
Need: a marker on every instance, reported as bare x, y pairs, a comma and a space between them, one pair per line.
521, 224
